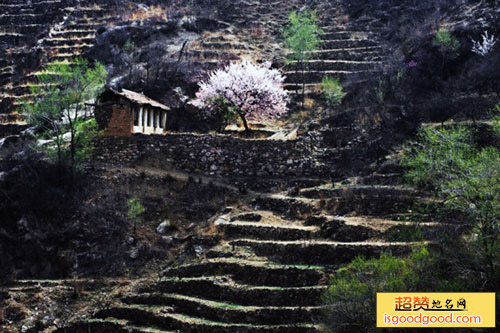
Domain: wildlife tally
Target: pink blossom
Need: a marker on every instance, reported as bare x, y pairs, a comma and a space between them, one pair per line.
412, 63
256, 92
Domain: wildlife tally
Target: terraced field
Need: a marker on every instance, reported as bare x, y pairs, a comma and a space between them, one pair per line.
351, 50
37, 32
71, 35
21, 24
268, 273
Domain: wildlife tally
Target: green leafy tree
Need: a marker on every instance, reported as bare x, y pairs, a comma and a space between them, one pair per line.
86, 131
351, 296
447, 44
495, 115
60, 93
301, 36
135, 212
131, 56
467, 177
438, 155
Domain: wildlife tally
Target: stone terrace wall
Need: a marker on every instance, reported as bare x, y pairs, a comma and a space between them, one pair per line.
221, 155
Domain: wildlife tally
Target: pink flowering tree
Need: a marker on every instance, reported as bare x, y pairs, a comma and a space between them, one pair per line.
244, 90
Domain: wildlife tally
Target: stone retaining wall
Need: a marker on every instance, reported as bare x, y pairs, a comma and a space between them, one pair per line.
11, 129
221, 155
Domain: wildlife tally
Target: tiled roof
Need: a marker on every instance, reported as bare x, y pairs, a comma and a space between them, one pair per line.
140, 99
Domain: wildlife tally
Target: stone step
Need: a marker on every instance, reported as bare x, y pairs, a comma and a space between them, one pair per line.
16, 90
380, 179
6, 75
11, 5
68, 42
347, 43
267, 231
17, 11
81, 48
65, 56
248, 217
7, 19
334, 65
372, 53
88, 284
372, 191
310, 88
285, 206
348, 34
227, 251
321, 252
12, 38
107, 326
228, 312
214, 54
337, 28
157, 317
223, 288
101, 19
9, 118
95, 11
22, 28
370, 200
363, 228
225, 46
260, 273
74, 34
11, 129
84, 26
317, 76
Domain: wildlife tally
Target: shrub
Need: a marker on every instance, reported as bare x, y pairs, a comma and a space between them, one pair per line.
438, 155
496, 120
333, 92
351, 295
468, 179
446, 42
135, 212
86, 131
245, 90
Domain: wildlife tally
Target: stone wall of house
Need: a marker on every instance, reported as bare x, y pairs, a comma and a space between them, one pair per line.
221, 155
121, 121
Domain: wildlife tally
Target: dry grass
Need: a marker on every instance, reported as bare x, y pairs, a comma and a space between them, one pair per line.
257, 31
158, 12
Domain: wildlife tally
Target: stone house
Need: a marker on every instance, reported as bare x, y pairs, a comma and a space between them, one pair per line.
122, 113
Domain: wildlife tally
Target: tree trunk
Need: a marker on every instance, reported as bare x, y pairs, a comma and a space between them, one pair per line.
303, 86
297, 75
72, 140
247, 130
442, 65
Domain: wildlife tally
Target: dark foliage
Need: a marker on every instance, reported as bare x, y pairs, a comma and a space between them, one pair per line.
419, 83
47, 227
34, 195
